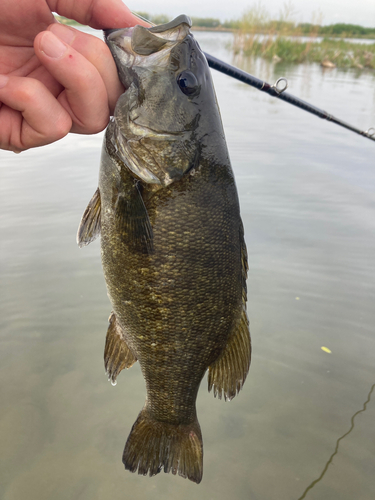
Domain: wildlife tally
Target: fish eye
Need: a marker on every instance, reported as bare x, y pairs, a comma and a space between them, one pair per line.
188, 83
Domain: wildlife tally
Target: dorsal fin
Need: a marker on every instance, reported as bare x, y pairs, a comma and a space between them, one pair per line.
228, 373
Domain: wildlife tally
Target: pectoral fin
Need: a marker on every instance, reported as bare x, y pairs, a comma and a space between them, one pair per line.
117, 354
89, 228
133, 220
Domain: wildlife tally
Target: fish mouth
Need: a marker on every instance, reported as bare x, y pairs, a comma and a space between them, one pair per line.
144, 47
143, 130
111, 35
139, 41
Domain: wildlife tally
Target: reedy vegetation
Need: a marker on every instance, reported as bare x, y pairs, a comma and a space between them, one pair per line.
284, 40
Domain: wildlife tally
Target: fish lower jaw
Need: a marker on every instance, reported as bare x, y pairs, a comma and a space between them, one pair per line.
143, 131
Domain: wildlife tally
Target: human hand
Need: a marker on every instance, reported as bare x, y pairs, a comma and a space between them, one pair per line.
55, 79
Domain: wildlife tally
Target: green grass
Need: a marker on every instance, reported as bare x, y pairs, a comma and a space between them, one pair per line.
280, 40
282, 49
65, 20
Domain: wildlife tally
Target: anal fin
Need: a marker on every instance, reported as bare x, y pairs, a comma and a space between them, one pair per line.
117, 354
228, 373
89, 227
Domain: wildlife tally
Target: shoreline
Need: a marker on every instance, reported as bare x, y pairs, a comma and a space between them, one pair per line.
222, 29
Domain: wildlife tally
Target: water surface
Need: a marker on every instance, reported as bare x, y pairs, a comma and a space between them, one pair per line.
303, 426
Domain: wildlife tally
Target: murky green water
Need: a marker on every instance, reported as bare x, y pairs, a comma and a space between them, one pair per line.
303, 426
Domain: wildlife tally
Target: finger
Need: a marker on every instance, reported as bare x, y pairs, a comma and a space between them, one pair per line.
22, 20
85, 95
97, 52
98, 14
30, 115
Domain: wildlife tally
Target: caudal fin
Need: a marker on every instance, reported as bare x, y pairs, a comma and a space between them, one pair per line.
153, 446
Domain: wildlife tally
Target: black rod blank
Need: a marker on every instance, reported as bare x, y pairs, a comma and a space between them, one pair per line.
274, 91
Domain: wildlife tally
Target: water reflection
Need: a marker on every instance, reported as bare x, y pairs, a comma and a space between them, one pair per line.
271, 71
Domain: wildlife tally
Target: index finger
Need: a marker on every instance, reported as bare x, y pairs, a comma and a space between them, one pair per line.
85, 95
99, 14
95, 51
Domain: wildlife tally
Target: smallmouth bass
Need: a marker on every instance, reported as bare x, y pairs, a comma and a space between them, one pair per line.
172, 244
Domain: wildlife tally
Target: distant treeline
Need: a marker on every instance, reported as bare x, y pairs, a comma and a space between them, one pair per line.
290, 28
337, 30
201, 22
156, 19
263, 25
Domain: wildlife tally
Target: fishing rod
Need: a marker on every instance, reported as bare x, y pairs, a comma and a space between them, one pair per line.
277, 90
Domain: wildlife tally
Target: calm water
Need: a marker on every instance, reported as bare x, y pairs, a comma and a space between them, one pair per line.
303, 426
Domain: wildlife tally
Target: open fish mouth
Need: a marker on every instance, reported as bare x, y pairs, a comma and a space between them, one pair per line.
156, 118
133, 46
143, 130
172, 31
144, 47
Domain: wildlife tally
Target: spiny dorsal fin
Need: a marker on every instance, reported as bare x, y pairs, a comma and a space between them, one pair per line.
228, 373
89, 228
117, 354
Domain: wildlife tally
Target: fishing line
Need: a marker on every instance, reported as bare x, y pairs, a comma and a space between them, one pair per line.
337, 445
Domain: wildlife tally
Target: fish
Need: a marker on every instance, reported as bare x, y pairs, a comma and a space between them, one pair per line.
172, 244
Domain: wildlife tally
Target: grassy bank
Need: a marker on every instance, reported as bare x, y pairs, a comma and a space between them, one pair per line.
284, 40
65, 20
327, 52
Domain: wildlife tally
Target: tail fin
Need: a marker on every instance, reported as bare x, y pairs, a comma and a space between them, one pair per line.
153, 445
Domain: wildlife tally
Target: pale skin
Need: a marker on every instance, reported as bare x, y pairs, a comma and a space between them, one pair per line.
55, 79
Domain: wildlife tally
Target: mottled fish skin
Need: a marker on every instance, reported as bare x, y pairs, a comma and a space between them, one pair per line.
173, 253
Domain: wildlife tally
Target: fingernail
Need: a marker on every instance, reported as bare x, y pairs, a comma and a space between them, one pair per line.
52, 46
3, 80
65, 34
